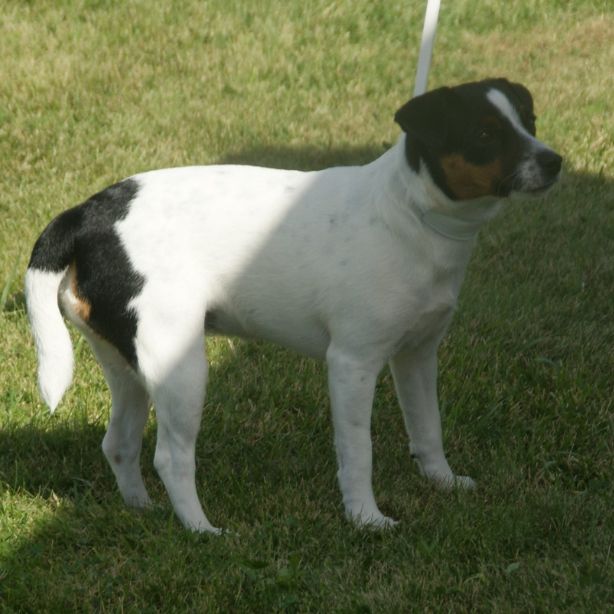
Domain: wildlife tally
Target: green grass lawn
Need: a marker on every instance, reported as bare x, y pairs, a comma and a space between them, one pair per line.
93, 91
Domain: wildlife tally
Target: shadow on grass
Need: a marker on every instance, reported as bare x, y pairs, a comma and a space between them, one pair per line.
268, 468
265, 470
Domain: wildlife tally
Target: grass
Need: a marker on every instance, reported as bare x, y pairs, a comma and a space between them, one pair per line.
94, 91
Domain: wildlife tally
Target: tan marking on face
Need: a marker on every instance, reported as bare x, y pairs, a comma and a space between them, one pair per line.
467, 180
81, 306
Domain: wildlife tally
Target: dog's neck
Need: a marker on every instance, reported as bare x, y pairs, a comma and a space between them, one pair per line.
452, 220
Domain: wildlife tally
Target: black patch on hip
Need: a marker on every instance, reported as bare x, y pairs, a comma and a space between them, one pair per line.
85, 235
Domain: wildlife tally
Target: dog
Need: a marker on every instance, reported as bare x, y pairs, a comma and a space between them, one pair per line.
359, 266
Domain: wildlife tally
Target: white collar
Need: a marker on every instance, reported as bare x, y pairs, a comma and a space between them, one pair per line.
450, 227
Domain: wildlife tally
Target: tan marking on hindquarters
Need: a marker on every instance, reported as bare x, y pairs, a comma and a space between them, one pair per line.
467, 180
79, 305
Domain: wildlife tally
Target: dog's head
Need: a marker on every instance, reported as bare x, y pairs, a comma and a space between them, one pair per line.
478, 139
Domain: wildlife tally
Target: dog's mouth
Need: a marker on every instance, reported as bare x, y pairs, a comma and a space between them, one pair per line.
535, 175
542, 189
532, 188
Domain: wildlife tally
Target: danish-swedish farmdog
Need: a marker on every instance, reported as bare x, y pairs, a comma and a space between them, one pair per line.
359, 266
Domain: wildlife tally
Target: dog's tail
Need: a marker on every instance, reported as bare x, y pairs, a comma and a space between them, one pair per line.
51, 256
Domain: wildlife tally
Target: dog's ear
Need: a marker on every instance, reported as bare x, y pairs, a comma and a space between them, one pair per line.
425, 116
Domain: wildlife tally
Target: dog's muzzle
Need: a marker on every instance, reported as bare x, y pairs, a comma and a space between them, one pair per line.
538, 173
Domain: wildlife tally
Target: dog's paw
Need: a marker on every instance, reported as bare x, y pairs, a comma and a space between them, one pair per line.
139, 501
464, 482
453, 482
443, 478
375, 521
203, 528
382, 523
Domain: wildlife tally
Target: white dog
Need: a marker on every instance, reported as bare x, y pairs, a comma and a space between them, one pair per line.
359, 266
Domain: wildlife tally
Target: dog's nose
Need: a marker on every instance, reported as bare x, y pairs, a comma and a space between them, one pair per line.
550, 162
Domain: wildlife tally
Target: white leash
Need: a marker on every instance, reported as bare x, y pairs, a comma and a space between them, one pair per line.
445, 225
426, 46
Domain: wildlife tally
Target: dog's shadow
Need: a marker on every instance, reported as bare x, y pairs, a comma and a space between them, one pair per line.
263, 403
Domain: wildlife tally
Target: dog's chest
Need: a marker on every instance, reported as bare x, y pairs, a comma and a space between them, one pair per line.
429, 310
422, 294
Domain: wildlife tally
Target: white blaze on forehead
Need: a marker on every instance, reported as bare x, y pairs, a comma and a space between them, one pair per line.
500, 100
507, 109
529, 174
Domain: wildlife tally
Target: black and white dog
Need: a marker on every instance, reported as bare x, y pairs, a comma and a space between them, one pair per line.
359, 266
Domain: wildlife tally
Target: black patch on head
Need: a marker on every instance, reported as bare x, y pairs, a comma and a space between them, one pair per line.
85, 235
423, 117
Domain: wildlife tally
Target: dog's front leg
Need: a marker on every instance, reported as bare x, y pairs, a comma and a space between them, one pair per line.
351, 382
415, 378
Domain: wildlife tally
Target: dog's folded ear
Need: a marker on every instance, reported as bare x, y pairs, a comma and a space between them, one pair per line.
425, 116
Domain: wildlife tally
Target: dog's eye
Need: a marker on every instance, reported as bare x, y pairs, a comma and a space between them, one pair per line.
485, 136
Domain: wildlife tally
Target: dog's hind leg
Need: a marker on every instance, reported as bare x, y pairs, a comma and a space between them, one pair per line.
171, 354
179, 400
130, 402
130, 406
